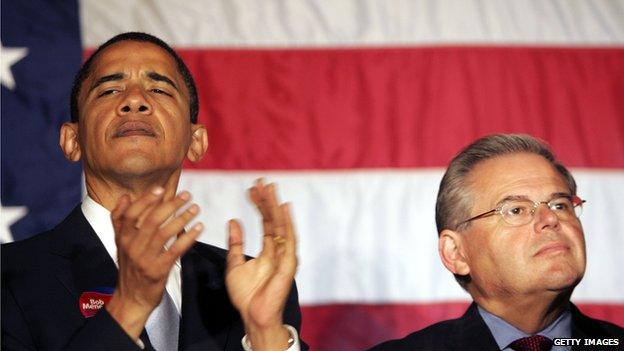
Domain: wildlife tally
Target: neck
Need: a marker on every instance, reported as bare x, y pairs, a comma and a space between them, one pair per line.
530, 314
107, 190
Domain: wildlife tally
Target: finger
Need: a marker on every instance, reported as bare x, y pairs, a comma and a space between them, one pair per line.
255, 190
148, 241
116, 214
137, 208
164, 211
146, 212
290, 245
260, 184
120, 207
182, 244
172, 228
277, 222
268, 247
282, 237
257, 194
235, 256
270, 197
267, 204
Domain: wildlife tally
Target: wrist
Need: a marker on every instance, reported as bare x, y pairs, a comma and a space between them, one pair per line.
275, 337
131, 317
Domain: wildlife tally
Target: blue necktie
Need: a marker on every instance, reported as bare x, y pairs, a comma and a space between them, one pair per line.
163, 325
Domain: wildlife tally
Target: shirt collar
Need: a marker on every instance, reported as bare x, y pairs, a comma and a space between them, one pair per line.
99, 219
505, 333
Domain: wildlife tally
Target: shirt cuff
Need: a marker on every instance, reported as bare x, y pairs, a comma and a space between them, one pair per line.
293, 340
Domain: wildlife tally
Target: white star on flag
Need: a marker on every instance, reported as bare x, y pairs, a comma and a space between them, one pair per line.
8, 216
10, 56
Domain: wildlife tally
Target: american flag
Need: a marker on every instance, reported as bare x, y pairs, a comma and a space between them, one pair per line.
354, 108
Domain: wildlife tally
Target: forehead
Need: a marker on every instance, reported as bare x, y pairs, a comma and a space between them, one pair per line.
522, 174
127, 56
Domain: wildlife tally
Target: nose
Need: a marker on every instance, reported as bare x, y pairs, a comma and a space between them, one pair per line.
545, 218
134, 101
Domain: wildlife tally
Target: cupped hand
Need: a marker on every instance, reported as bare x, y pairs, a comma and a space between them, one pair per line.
142, 230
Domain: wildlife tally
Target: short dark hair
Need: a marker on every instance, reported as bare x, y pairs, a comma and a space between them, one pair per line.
85, 70
454, 201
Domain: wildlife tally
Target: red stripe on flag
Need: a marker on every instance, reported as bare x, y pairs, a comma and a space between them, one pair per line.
358, 327
405, 107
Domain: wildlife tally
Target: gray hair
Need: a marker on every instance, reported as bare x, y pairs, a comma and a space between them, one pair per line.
454, 200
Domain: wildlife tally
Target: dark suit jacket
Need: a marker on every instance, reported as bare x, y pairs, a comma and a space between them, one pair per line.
469, 332
44, 276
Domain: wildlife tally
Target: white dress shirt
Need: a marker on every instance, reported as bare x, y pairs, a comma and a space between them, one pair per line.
99, 219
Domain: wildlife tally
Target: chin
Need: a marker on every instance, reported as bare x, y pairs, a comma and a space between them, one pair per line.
563, 278
136, 165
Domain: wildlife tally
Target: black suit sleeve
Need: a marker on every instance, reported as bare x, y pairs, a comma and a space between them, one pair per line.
100, 332
292, 314
15, 332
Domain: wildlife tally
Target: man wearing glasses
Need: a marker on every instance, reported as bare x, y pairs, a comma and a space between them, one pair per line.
507, 217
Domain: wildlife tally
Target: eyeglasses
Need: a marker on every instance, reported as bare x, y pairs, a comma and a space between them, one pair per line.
521, 211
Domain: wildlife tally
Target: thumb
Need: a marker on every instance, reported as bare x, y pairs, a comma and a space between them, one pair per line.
118, 212
235, 256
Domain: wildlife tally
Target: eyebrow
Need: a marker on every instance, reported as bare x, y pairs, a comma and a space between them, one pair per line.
512, 198
161, 78
524, 197
107, 78
119, 76
560, 194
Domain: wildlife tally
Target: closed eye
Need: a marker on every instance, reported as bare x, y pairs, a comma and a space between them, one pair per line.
108, 92
160, 91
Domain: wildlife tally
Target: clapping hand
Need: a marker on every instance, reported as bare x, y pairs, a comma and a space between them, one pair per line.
142, 228
259, 287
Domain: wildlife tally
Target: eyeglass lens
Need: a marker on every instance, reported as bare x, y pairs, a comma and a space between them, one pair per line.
518, 212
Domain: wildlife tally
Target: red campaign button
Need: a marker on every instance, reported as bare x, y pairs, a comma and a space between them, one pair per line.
91, 302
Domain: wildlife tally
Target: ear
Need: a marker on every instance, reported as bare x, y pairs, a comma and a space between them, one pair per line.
451, 250
68, 141
199, 143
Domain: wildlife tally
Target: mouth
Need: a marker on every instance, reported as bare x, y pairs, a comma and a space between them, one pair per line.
134, 128
552, 248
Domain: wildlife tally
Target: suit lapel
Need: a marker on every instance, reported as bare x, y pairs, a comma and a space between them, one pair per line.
584, 327
580, 327
90, 266
472, 333
207, 315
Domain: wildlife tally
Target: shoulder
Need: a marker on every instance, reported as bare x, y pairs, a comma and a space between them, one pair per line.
25, 253
592, 327
468, 332
39, 251
435, 336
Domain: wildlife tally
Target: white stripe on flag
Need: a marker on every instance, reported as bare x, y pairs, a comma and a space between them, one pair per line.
227, 23
370, 237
